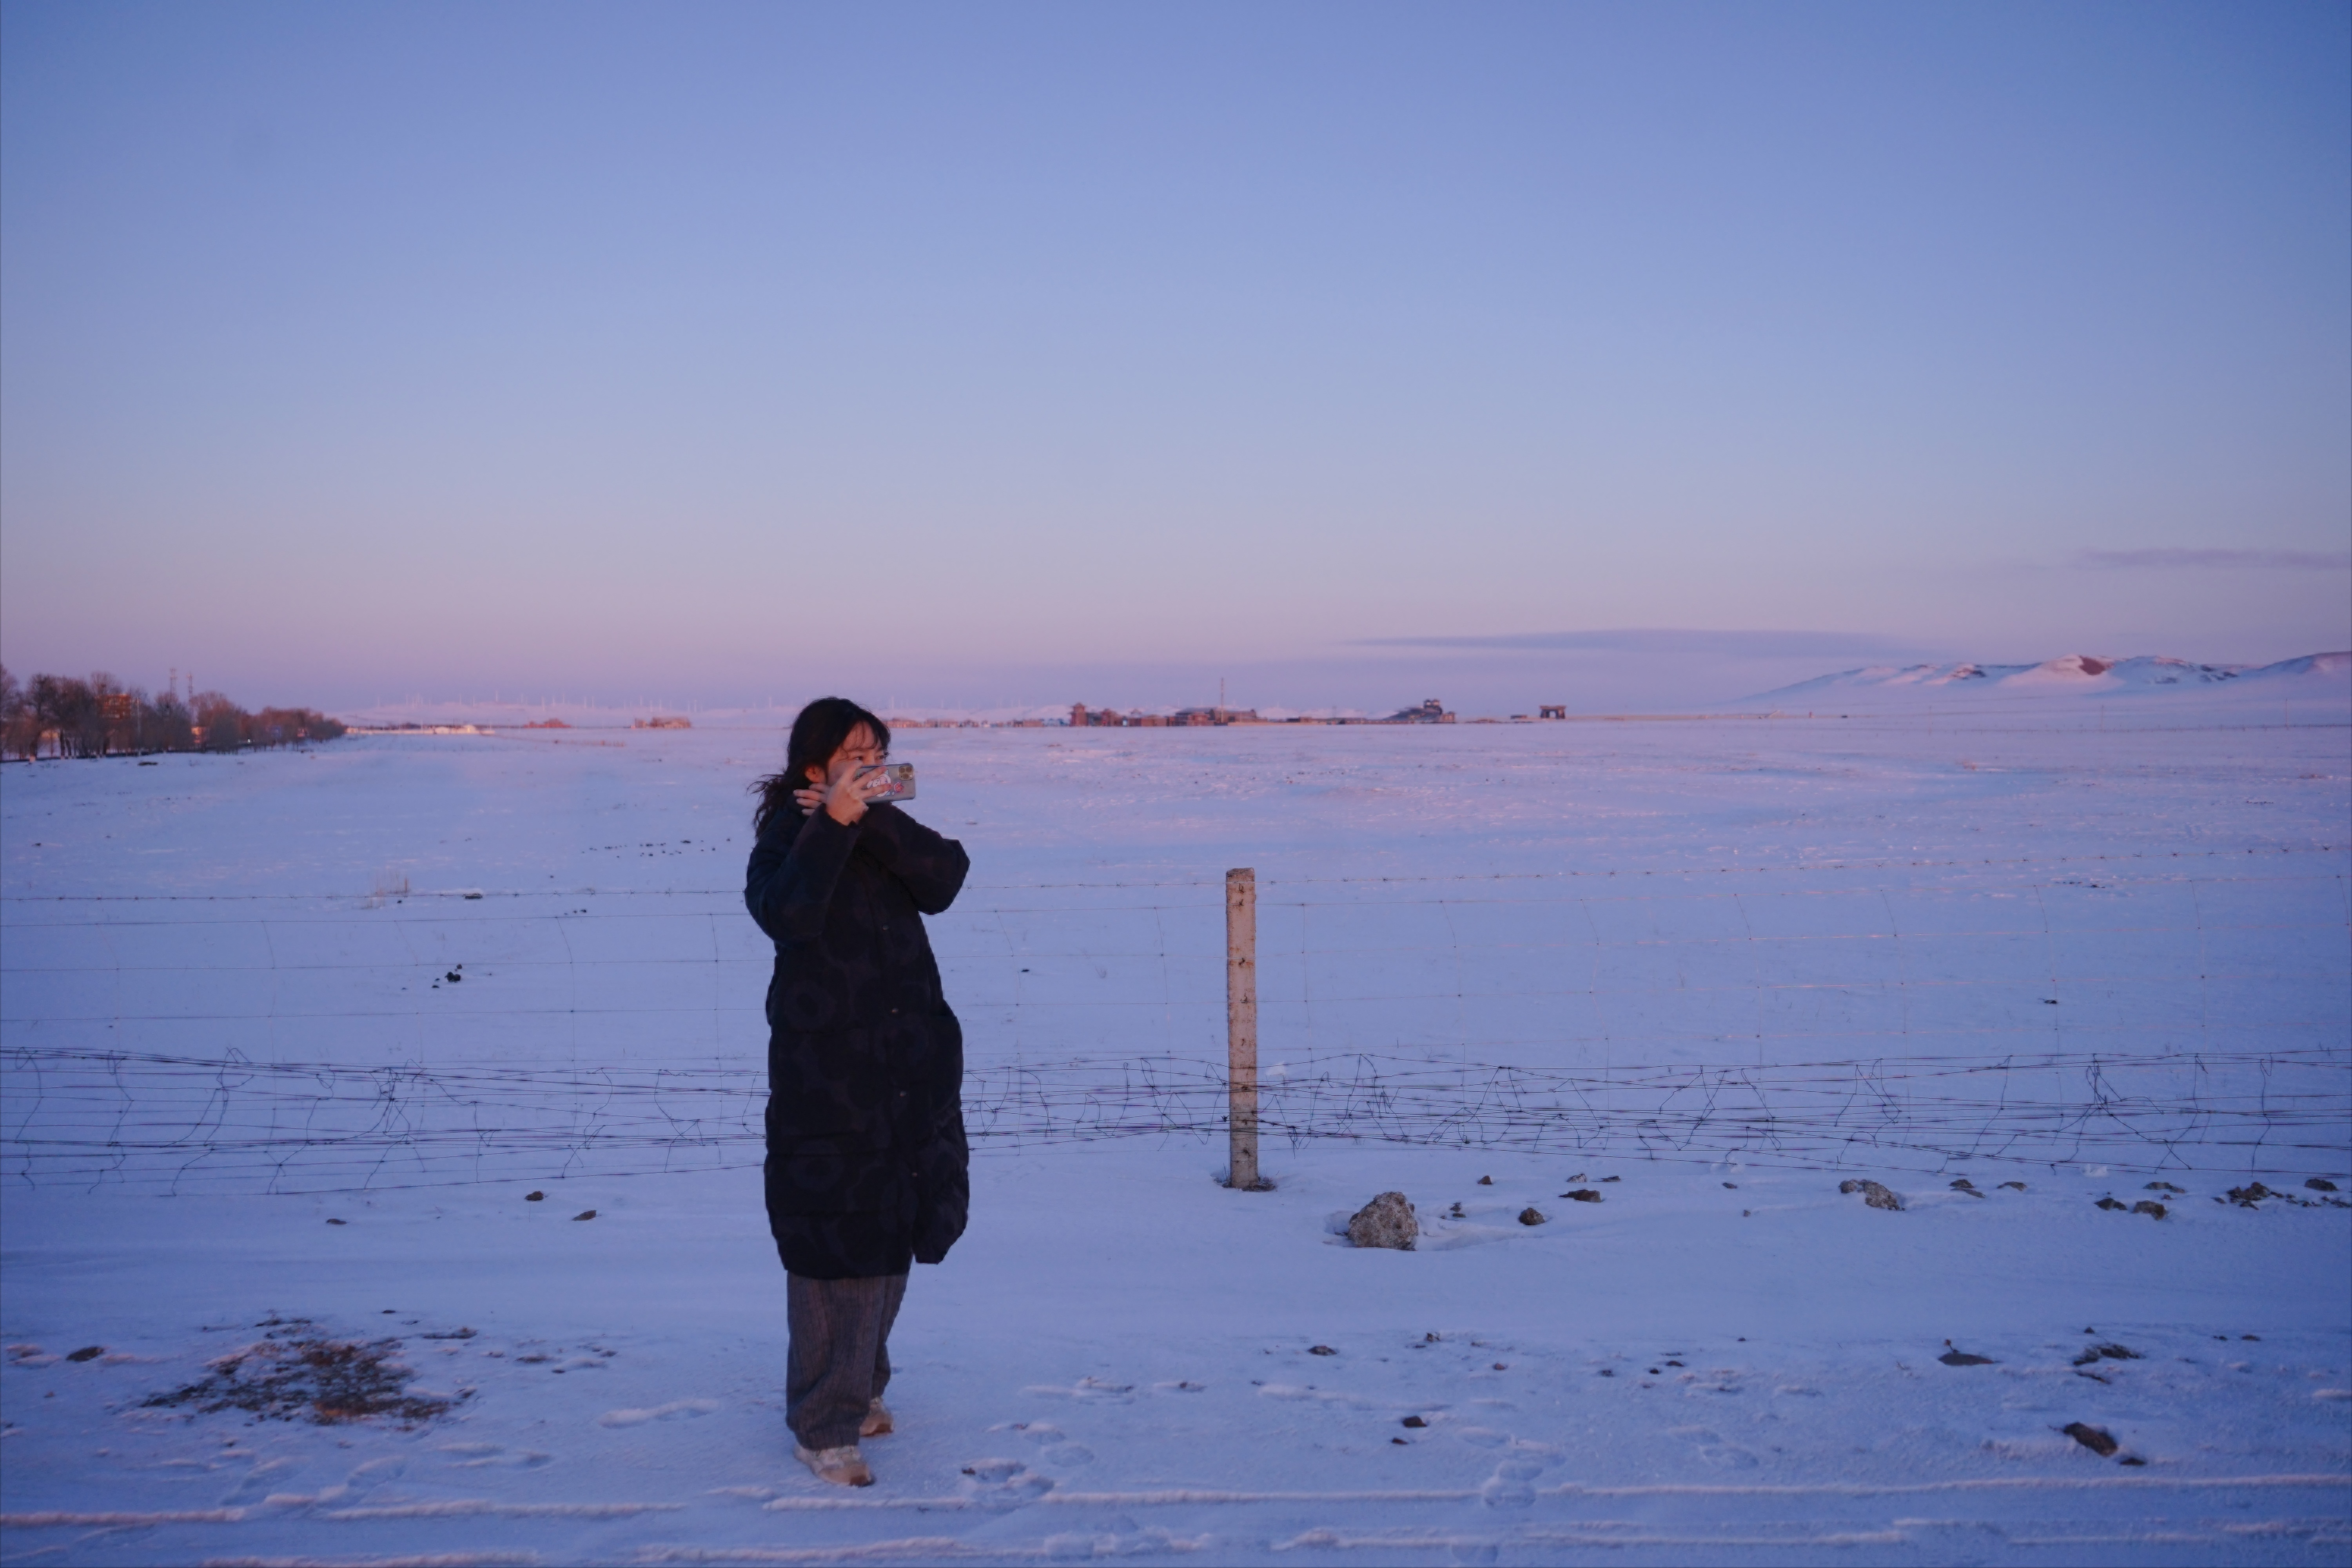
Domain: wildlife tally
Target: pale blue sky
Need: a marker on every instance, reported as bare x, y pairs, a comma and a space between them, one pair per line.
1042, 352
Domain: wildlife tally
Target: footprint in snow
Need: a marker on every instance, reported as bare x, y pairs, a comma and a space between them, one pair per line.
1085, 1388
478, 1456
1002, 1483
265, 1477
676, 1409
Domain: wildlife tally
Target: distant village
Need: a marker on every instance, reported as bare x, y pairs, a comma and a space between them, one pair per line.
61, 716
1432, 711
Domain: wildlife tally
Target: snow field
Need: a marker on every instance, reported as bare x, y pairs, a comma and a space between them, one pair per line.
1119, 1359
1122, 1350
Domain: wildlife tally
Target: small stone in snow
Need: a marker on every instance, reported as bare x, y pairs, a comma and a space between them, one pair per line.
1387, 1221
2094, 1438
1872, 1194
1414, 1421
1531, 1216
2018, 1186
87, 1352
338, 1222
1583, 1195
2109, 1203
1320, 1350
2319, 1184
1485, 1181
585, 1213
2149, 1208
534, 1197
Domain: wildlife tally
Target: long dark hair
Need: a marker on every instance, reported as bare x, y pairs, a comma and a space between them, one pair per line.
817, 734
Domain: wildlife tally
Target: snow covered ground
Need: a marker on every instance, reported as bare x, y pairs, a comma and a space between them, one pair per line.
1726, 963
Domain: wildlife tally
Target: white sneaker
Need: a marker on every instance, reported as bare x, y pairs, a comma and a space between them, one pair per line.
844, 1467
877, 1423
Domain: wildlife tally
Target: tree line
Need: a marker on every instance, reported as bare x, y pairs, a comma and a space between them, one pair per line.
59, 716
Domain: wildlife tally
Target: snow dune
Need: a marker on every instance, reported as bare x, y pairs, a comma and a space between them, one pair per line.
2321, 680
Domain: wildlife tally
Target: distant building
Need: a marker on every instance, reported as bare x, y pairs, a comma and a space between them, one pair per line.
547, 724
1552, 710
1430, 711
659, 722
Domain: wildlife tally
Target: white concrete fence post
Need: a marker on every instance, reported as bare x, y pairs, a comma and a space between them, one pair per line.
1241, 1025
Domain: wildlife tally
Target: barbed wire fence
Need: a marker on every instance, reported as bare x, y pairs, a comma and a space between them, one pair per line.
2158, 1013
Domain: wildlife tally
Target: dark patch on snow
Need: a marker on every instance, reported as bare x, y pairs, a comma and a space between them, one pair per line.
292, 1375
87, 1352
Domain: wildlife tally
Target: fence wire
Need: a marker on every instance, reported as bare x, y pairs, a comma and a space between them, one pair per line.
187, 1125
2150, 1012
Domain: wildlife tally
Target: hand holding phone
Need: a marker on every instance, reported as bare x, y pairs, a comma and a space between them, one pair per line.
888, 781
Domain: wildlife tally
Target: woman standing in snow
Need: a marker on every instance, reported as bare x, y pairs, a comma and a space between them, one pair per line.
868, 1168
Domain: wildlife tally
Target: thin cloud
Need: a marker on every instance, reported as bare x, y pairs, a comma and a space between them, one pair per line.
1667, 640
2261, 560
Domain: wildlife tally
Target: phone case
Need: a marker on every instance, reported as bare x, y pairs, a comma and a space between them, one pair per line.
901, 776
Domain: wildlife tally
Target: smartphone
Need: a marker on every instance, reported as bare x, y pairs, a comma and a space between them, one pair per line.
899, 776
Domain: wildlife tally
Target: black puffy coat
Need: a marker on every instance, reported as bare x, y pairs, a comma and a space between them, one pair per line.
867, 1166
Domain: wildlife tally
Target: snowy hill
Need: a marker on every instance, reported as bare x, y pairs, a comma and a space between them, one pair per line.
2316, 675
